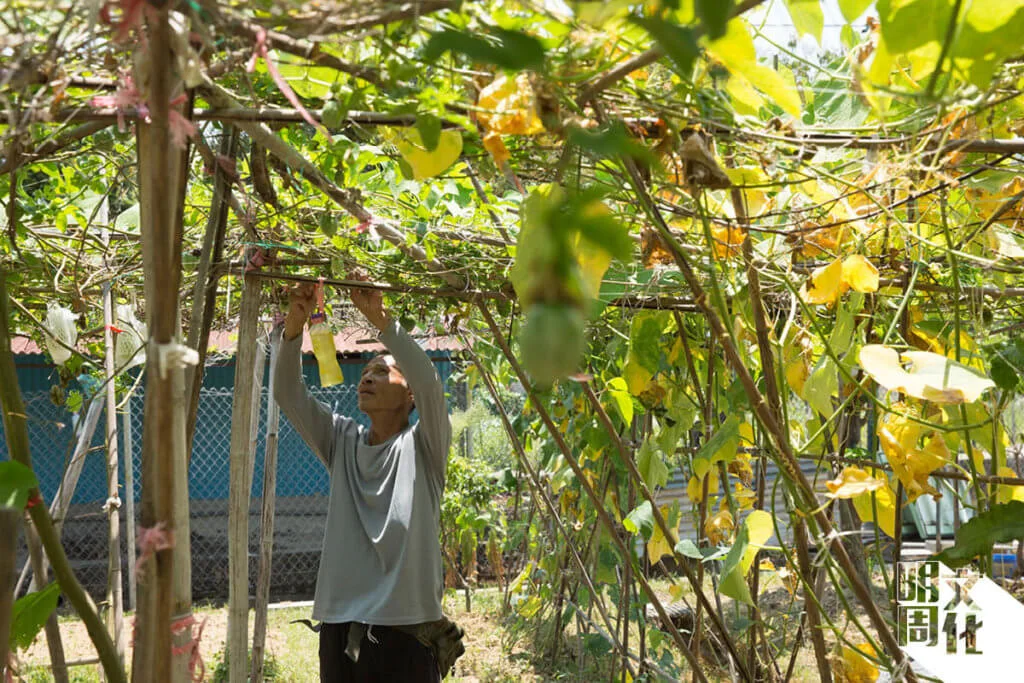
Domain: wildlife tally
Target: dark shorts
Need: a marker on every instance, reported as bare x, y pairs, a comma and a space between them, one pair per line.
394, 657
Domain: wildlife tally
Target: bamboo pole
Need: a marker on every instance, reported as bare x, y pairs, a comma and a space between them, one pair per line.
163, 446
263, 572
241, 483
204, 296
129, 495
115, 595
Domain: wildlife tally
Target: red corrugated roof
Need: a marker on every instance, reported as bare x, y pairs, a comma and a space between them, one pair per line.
349, 341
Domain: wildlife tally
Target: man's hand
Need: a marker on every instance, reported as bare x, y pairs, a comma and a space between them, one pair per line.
301, 303
370, 303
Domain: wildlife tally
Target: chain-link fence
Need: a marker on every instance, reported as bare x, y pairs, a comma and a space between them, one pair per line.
301, 490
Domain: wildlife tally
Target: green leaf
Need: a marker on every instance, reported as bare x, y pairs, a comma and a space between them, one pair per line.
822, 386
728, 432
688, 548
678, 42
16, 481
619, 391
1001, 523
651, 466
503, 48
714, 15
645, 341
640, 520
429, 127
852, 9
755, 531
1004, 375
807, 17
30, 613
611, 141
596, 645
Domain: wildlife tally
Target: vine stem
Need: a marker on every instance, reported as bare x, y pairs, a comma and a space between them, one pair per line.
786, 458
588, 489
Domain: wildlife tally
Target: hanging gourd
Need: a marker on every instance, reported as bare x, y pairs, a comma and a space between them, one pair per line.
131, 336
323, 344
60, 326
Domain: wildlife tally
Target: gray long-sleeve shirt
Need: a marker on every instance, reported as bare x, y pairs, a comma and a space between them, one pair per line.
381, 557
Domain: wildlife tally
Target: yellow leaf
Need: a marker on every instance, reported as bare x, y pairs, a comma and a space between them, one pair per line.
859, 274
740, 467
852, 482
637, 377
752, 181
510, 106
695, 488
594, 261
659, 546
1006, 492
735, 50
826, 284
746, 434
744, 496
852, 666
912, 465
928, 376
727, 241
797, 372
885, 503
719, 527
427, 164
759, 529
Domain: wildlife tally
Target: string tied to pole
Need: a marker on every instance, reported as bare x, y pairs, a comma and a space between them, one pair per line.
151, 541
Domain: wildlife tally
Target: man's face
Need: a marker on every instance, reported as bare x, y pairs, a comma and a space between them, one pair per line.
382, 387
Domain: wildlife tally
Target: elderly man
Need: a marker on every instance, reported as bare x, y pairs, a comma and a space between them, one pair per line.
380, 583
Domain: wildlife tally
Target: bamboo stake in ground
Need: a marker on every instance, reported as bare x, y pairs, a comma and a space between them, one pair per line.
263, 572
115, 595
129, 495
241, 483
162, 444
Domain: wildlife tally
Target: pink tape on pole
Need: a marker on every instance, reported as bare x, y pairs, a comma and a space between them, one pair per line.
196, 668
151, 541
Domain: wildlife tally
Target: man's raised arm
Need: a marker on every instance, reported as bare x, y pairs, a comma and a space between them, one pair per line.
421, 375
313, 420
